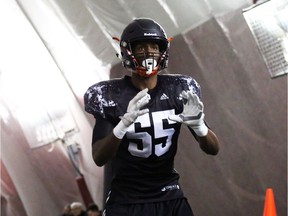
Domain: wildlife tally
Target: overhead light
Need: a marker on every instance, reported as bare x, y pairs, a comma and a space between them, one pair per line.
268, 23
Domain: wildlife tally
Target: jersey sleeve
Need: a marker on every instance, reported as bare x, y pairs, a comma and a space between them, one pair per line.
191, 84
96, 99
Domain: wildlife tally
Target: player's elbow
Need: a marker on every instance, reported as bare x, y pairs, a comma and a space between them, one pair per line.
213, 151
99, 164
210, 149
99, 161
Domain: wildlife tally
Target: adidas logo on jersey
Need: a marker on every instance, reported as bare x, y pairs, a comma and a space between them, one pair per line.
164, 97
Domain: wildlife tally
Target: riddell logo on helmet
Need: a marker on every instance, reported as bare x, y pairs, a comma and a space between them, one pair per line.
150, 34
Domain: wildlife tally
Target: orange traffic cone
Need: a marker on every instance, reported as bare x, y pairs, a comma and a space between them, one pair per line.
270, 207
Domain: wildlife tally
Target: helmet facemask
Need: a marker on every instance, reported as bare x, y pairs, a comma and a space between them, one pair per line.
145, 63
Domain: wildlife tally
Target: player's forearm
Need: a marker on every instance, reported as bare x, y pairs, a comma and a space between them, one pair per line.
103, 150
209, 143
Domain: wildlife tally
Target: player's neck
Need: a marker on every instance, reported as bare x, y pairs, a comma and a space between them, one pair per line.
144, 82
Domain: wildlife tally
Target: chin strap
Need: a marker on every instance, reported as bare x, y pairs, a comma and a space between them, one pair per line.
143, 72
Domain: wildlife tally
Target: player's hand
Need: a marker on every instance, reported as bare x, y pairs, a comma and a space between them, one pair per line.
134, 106
133, 111
192, 114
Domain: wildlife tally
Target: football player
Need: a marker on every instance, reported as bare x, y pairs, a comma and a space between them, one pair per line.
138, 120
